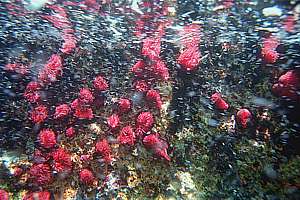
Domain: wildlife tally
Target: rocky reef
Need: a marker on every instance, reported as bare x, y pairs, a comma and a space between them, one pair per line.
149, 100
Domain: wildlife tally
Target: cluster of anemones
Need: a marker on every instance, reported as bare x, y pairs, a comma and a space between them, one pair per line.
52, 69
150, 69
41, 195
128, 135
40, 173
50, 72
143, 125
243, 115
81, 105
58, 159
153, 68
51, 158
60, 20
146, 71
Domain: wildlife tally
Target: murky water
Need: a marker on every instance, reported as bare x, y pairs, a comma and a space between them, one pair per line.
104, 99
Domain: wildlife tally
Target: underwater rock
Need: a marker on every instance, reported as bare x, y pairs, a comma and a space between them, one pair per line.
259, 101
188, 187
270, 172
272, 11
87, 39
